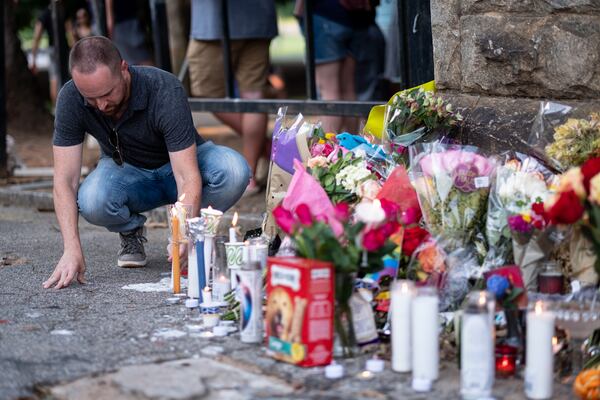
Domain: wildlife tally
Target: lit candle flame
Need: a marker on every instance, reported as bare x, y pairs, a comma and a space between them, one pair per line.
482, 298
554, 341
235, 219
182, 197
539, 308
209, 208
377, 203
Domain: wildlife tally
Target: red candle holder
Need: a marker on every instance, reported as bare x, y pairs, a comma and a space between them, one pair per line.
506, 361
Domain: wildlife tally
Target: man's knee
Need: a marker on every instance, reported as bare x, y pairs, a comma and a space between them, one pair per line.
97, 206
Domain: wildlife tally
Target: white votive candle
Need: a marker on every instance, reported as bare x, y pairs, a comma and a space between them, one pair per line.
424, 336
539, 377
221, 286
232, 230
193, 278
402, 296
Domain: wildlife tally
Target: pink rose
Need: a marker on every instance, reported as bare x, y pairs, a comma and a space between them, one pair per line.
284, 219
304, 215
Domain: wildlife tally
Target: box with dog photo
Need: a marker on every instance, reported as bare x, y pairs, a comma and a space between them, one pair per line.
299, 315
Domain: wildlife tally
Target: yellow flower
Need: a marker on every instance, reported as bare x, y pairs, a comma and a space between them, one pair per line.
595, 189
329, 135
526, 217
321, 141
572, 180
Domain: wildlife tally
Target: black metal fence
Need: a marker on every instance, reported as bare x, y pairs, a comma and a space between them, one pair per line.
416, 62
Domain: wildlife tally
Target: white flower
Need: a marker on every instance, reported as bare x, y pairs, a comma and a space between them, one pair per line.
351, 176
369, 212
318, 161
368, 189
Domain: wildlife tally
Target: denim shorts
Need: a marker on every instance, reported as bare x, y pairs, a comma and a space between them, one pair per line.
333, 41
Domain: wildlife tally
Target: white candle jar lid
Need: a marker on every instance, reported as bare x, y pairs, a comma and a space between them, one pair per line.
334, 371
375, 365
191, 303
421, 385
220, 330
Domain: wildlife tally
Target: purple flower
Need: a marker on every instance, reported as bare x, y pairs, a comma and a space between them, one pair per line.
498, 285
518, 224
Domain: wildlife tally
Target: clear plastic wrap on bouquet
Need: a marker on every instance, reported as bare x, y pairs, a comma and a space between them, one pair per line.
452, 183
289, 144
521, 180
437, 262
549, 117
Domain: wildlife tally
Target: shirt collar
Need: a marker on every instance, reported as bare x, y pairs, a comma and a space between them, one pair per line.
138, 97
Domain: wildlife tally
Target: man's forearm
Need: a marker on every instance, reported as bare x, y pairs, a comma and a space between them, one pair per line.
65, 205
193, 195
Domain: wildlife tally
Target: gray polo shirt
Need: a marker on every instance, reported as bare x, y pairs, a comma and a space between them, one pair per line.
157, 119
248, 19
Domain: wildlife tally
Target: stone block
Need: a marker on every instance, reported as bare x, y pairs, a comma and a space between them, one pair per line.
529, 7
509, 55
497, 124
446, 42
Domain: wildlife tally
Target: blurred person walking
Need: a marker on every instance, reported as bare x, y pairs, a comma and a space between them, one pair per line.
252, 25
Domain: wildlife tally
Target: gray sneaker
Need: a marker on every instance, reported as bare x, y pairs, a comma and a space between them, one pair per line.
132, 254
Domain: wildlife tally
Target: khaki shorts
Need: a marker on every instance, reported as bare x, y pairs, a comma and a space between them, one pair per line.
249, 61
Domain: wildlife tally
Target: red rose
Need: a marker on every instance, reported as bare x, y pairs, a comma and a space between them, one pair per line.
391, 209
284, 219
390, 228
304, 215
589, 169
327, 149
373, 239
413, 237
540, 217
342, 212
567, 209
411, 216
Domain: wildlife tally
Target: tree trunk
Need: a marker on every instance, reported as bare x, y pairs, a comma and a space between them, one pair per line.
24, 102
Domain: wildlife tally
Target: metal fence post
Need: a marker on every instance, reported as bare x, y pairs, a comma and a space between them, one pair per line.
3, 155
160, 34
226, 43
61, 50
99, 11
311, 86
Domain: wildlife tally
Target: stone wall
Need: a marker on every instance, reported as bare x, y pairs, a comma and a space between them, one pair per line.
523, 48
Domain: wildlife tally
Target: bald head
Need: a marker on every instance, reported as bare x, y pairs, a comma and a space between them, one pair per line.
92, 52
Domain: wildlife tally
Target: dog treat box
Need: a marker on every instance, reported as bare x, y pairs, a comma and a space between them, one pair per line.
299, 315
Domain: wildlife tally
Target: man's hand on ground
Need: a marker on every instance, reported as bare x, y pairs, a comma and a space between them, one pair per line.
183, 258
68, 268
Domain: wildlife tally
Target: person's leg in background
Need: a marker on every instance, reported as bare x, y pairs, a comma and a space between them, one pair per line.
252, 73
334, 67
328, 84
207, 80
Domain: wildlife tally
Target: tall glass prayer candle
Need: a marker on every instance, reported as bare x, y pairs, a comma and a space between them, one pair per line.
539, 368
402, 295
476, 348
424, 336
196, 272
178, 213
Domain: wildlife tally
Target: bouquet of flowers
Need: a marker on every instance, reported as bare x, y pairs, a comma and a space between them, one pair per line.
532, 240
357, 251
436, 262
452, 184
416, 115
577, 202
347, 179
520, 181
575, 141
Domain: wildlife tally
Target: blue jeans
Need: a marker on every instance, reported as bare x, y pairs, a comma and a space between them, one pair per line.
114, 196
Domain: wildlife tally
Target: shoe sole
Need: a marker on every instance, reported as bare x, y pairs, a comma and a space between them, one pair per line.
131, 264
